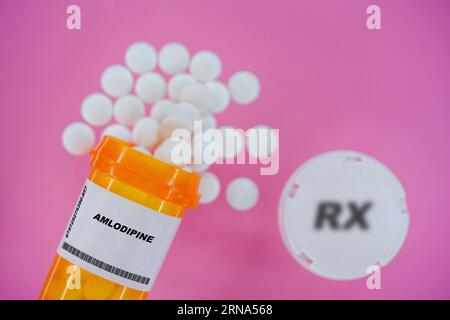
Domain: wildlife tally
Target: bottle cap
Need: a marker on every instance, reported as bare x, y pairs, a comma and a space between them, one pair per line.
165, 181
341, 213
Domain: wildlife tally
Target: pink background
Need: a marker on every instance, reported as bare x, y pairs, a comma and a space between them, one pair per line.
327, 83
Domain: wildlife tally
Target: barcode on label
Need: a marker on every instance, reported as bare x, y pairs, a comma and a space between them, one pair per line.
104, 266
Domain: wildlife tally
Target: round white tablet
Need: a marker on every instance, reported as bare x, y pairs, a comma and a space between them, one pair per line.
140, 57
177, 84
143, 150
96, 109
199, 167
173, 152
145, 132
341, 213
186, 110
78, 138
205, 66
244, 87
209, 122
187, 168
118, 131
220, 96
198, 95
128, 110
161, 109
116, 80
209, 188
173, 58
242, 194
261, 141
172, 122
158, 153
150, 87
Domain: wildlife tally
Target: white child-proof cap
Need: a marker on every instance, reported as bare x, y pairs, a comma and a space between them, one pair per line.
341, 213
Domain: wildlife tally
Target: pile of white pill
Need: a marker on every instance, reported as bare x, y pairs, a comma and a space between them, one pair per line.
178, 89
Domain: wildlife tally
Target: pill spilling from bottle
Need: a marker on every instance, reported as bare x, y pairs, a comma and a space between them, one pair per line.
105, 253
178, 90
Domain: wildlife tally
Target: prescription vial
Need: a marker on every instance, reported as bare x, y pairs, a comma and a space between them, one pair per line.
122, 226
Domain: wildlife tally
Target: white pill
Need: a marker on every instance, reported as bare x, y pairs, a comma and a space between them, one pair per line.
209, 122
96, 109
186, 110
209, 188
220, 96
158, 152
172, 122
116, 80
171, 151
187, 168
242, 194
198, 95
177, 84
161, 109
261, 141
145, 132
205, 66
199, 167
141, 57
173, 58
118, 131
232, 141
128, 110
244, 87
150, 87
78, 138
143, 150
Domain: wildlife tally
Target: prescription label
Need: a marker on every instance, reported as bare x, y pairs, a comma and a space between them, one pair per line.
116, 238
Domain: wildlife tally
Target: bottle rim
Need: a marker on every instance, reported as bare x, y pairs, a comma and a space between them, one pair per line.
121, 161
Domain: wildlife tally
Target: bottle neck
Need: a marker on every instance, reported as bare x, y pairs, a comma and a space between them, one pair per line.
134, 194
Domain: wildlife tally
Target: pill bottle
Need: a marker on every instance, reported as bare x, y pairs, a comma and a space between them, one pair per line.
122, 226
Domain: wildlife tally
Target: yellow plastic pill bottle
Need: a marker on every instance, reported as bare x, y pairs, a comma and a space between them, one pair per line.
122, 226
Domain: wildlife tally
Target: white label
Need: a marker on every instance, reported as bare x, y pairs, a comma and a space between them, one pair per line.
116, 238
